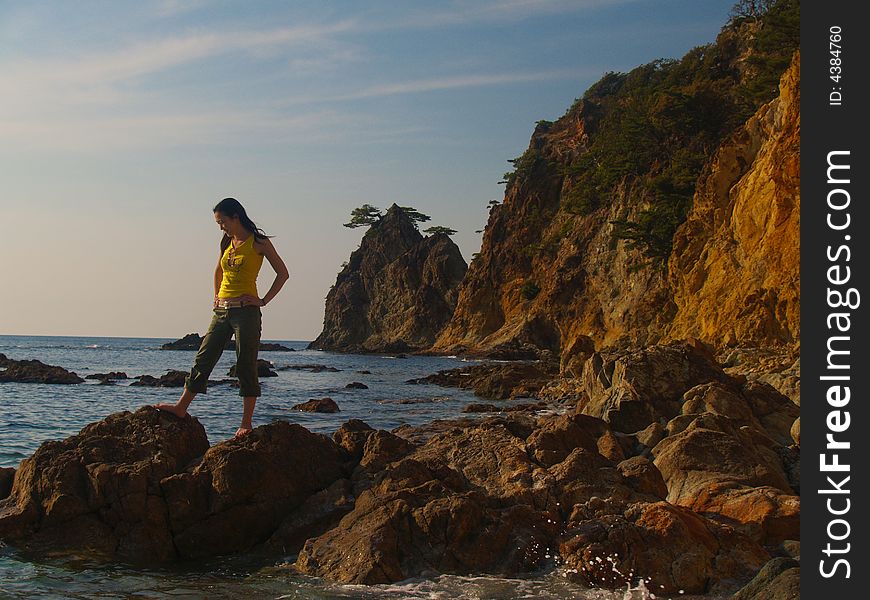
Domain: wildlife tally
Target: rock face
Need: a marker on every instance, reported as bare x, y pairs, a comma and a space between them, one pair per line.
738, 250
34, 371
550, 279
396, 292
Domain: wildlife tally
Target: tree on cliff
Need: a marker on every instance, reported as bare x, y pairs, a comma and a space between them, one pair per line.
439, 229
364, 215
368, 214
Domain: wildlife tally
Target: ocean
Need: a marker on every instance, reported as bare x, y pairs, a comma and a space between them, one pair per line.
35, 413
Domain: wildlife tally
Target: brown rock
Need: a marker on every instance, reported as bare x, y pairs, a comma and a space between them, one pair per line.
352, 436
264, 369
99, 490
672, 548
7, 477
34, 371
635, 389
321, 405
796, 431
241, 490
643, 476
730, 473
496, 381
779, 579
171, 378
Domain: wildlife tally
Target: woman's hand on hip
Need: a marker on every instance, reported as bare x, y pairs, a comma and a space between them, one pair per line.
251, 300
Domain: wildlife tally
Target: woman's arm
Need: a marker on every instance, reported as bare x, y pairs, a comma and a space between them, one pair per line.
281, 274
218, 278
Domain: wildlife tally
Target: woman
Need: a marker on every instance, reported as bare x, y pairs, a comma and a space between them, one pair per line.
236, 309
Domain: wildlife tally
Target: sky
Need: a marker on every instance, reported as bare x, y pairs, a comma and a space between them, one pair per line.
122, 124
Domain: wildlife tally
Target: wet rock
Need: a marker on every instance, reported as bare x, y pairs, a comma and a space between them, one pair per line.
318, 513
34, 371
779, 579
314, 368
171, 378
672, 548
192, 341
321, 405
99, 491
496, 381
463, 503
7, 477
356, 385
264, 369
109, 375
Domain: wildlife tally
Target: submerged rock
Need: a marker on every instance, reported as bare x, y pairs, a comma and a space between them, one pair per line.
496, 381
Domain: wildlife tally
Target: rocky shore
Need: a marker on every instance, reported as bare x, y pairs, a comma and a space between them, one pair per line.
665, 467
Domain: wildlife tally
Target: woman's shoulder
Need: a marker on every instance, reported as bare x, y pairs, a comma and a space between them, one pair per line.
262, 244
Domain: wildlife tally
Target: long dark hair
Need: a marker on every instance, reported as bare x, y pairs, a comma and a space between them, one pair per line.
233, 208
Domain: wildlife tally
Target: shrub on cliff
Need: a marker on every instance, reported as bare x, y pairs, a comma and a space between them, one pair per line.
655, 127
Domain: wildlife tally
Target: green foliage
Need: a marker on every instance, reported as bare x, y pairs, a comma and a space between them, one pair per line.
523, 165
415, 215
652, 129
439, 229
774, 44
364, 215
530, 290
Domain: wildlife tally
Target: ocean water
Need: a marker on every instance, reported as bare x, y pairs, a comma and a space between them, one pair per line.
34, 413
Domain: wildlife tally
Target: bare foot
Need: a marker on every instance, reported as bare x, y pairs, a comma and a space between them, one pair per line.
171, 408
243, 431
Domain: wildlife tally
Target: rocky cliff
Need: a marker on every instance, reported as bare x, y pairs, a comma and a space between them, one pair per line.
396, 292
698, 239
735, 269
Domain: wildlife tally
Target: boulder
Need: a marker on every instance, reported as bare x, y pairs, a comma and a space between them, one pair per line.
779, 579
633, 390
733, 473
356, 385
242, 491
99, 491
672, 549
110, 375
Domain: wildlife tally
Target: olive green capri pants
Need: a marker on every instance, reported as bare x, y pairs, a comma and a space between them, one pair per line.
246, 323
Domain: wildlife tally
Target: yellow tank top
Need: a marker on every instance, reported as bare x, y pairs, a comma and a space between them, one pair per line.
241, 266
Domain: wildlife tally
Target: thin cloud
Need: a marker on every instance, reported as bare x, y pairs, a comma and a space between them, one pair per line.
459, 82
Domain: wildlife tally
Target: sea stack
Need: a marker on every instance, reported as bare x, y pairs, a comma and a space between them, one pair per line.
397, 291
